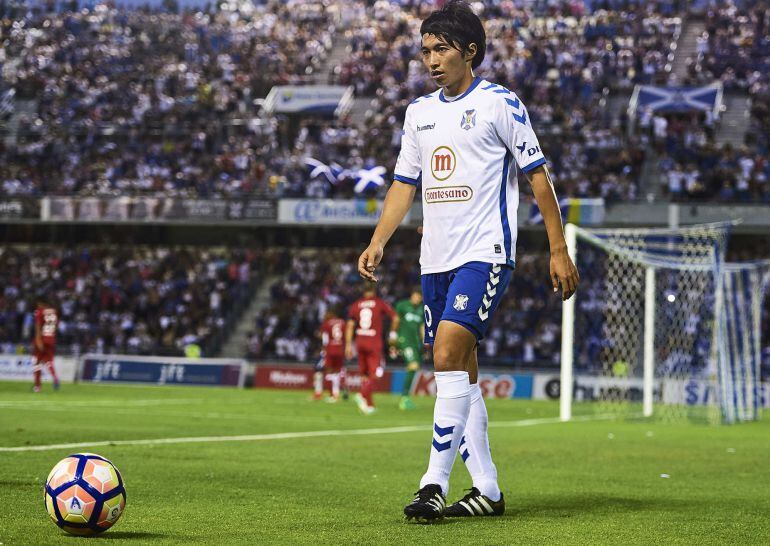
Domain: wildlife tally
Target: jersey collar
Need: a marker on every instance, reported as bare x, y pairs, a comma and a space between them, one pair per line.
476, 82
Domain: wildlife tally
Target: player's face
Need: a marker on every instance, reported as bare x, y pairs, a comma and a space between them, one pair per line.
446, 63
416, 298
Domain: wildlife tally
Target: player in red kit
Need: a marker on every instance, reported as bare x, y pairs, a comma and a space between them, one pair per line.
365, 319
44, 344
332, 356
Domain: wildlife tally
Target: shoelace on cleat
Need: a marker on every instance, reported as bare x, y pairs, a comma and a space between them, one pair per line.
423, 496
472, 492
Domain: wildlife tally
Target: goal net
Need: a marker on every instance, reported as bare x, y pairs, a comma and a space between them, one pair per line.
661, 326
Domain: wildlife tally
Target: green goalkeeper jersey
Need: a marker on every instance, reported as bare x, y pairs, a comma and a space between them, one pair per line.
410, 323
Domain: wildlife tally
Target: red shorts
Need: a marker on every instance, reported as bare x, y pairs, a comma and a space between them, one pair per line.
369, 360
44, 356
333, 363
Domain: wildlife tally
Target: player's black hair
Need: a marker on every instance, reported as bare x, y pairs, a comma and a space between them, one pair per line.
459, 27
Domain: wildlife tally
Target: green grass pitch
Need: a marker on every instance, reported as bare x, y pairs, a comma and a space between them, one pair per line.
591, 482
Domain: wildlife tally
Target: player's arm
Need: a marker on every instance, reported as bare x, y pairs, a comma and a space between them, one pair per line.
562, 270
38, 336
349, 327
394, 324
397, 203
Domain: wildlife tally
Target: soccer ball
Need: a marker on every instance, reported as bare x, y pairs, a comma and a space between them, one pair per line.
84, 494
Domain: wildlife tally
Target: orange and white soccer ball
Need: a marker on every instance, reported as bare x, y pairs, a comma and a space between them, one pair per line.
84, 494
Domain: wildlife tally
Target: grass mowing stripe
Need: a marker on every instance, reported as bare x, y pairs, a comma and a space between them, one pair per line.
284, 435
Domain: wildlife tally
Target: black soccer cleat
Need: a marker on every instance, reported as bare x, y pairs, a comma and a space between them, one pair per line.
475, 504
428, 505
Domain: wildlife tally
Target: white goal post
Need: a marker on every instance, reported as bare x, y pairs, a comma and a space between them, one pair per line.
661, 321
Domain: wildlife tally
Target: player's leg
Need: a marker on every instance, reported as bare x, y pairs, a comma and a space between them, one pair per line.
334, 387
485, 497
483, 286
363, 398
318, 379
344, 381
412, 359
37, 368
374, 370
429, 502
333, 366
451, 351
52, 371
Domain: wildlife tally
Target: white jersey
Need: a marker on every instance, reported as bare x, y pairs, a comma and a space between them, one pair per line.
461, 151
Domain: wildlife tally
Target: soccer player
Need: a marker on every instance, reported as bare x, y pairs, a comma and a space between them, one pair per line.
411, 333
365, 318
332, 356
465, 144
44, 344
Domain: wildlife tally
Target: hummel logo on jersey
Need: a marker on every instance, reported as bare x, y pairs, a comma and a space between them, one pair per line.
468, 120
461, 302
489, 297
522, 147
428, 127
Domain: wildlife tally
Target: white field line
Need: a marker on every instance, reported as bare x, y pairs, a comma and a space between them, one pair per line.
287, 435
33, 404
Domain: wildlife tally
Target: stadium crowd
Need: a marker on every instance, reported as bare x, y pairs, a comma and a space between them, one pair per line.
137, 300
143, 102
123, 105
693, 166
734, 49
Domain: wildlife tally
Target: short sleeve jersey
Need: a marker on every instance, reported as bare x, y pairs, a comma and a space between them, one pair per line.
464, 152
410, 322
333, 336
47, 320
369, 315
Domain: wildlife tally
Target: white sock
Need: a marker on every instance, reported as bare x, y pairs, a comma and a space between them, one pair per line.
449, 416
474, 447
318, 383
335, 381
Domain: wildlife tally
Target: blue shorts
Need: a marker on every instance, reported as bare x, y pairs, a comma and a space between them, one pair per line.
467, 295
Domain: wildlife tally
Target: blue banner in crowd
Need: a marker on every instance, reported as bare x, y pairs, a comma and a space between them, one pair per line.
162, 371
677, 99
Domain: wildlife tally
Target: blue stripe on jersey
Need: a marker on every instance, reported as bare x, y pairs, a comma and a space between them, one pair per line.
473, 86
504, 207
533, 165
515, 102
407, 180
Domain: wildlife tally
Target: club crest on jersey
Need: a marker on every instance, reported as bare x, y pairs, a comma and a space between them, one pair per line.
461, 302
468, 120
443, 163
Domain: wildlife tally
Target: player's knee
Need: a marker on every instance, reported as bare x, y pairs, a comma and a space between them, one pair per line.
448, 359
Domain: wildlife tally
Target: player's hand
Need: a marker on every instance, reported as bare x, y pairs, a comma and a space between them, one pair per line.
564, 273
348, 352
369, 260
